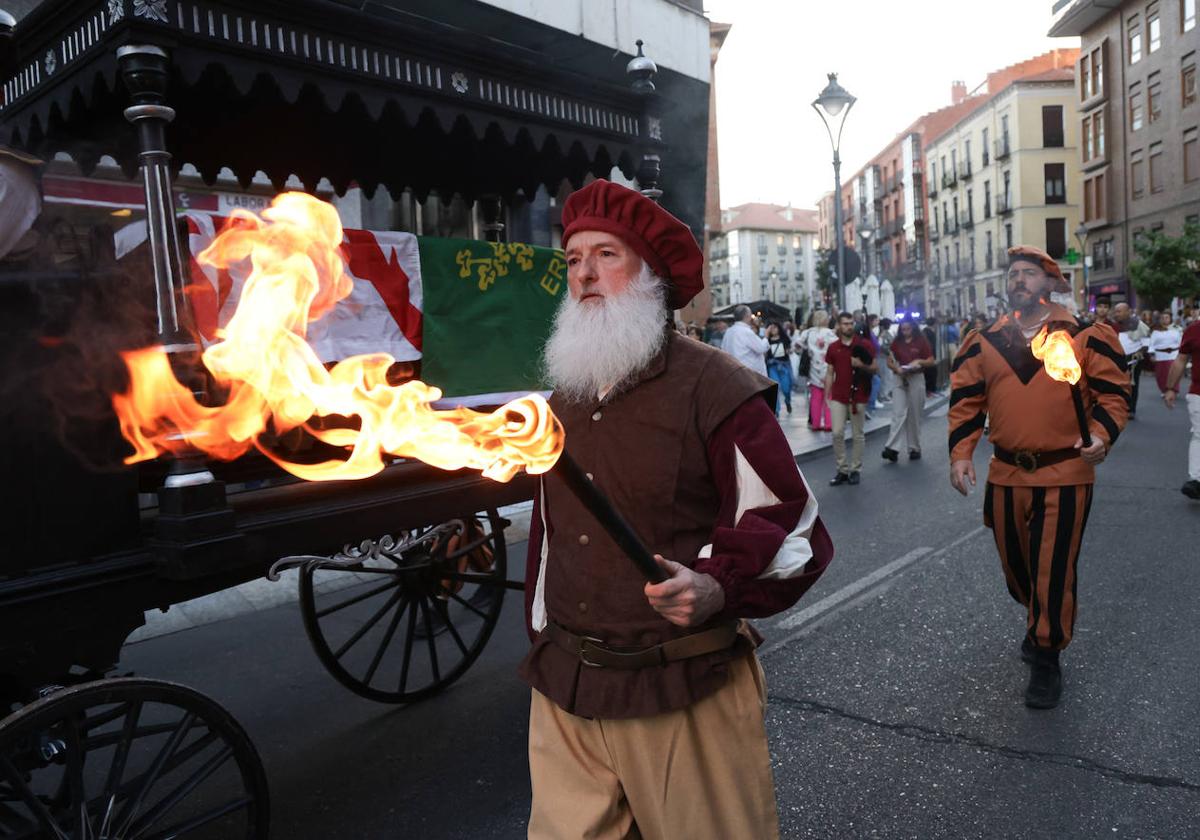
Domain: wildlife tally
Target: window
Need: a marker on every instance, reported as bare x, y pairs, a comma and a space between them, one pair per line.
1052, 126
1055, 175
1092, 131
1191, 155
955, 199
1056, 237
1085, 134
1008, 236
1154, 97
987, 257
1137, 173
987, 199
971, 206
985, 147
1187, 14
1008, 190
1134, 39
954, 161
967, 154
762, 243
796, 246
1156, 168
1136, 112
1187, 79
1085, 78
1098, 70
1095, 197
1153, 28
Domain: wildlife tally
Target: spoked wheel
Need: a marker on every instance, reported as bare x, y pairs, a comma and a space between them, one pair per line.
402, 625
129, 759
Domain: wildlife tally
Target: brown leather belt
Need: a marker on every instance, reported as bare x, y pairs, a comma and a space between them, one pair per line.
1030, 461
595, 654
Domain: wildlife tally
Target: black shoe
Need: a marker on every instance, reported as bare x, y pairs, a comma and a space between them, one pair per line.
1045, 680
840, 478
914, 455
1027, 651
789, 408
854, 477
1191, 489
890, 455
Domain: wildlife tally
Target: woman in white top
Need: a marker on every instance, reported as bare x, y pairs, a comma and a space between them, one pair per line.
815, 341
1163, 347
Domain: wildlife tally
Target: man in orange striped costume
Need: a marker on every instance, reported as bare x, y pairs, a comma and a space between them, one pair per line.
1039, 483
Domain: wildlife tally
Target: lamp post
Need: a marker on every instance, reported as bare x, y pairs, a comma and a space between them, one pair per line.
1081, 235
773, 274
834, 105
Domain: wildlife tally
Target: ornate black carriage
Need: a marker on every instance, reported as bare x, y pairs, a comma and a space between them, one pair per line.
375, 96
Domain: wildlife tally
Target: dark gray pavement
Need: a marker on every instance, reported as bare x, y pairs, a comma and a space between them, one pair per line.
895, 684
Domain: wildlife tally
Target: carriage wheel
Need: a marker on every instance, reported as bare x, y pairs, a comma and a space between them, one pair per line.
399, 630
129, 759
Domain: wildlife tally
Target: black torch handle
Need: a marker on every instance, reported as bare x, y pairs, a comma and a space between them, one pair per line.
1084, 433
601, 507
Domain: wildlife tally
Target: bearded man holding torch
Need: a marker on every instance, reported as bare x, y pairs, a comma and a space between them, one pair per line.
646, 715
1040, 477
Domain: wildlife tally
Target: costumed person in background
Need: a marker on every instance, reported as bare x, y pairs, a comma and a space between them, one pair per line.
646, 716
779, 364
909, 356
1103, 308
815, 342
1040, 477
1163, 347
851, 361
1189, 348
1134, 337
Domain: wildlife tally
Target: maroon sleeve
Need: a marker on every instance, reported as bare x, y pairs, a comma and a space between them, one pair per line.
743, 550
533, 558
1191, 340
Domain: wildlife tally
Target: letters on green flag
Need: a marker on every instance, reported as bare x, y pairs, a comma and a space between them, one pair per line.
487, 311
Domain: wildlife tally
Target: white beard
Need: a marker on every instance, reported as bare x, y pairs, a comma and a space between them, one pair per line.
603, 345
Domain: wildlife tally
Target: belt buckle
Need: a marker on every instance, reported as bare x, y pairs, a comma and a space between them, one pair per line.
1026, 460
584, 641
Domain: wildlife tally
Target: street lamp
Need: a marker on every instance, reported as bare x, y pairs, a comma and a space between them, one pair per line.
773, 274
834, 104
1081, 234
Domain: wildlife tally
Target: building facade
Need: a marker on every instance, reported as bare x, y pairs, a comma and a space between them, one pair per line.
764, 252
1136, 110
1005, 174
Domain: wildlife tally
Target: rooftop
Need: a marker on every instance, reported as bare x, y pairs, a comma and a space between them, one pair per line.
778, 217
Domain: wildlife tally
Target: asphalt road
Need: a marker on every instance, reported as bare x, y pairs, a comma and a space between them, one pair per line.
895, 684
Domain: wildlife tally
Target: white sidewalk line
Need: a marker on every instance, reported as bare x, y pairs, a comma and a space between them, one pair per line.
800, 622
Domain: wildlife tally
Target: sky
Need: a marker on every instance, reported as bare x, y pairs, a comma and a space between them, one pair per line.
897, 58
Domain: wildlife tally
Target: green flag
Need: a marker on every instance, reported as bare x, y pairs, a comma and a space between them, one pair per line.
487, 311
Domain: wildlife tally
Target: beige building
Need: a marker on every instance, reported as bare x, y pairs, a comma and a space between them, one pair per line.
1007, 173
1138, 110
764, 252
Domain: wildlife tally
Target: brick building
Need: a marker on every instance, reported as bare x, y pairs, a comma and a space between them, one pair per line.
1139, 119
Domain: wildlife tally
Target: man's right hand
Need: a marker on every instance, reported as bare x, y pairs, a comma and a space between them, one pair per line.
962, 472
1169, 397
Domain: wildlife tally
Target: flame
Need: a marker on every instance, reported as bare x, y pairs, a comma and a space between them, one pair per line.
1057, 354
276, 383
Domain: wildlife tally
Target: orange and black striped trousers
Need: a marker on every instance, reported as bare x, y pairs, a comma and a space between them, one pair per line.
1038, 531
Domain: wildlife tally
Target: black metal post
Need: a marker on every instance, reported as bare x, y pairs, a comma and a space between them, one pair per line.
492, 209
642, 70
601, 507
144, 70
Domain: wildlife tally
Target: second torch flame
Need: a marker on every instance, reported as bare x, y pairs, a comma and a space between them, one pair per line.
276, 382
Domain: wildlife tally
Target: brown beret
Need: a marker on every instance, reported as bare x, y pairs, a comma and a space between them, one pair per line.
1027, 253
664, 242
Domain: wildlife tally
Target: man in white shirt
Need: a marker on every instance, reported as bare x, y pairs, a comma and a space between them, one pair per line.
743, 342
1134, 337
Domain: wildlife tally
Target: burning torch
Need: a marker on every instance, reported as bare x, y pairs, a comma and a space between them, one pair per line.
276, 382
1057, 354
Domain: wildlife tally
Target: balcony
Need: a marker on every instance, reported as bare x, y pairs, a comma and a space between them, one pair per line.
969, 221
933, 187
986, 159
934, 234
949, 179
951, 227
1004, 205
965, 174
1002, 148
919, 214
987, 209
988, 261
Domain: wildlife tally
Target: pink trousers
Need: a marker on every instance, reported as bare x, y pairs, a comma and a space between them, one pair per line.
818, 409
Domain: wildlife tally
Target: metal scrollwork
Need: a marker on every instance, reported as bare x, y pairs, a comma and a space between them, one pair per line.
386, 548
116, 10
50, 62
459, 82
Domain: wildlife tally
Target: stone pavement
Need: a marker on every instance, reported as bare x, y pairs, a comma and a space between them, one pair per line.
806, 442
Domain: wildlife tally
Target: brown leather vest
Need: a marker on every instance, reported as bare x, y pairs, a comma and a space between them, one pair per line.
646, 447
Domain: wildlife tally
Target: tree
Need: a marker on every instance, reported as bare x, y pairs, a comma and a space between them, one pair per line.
825, 279
1166, 267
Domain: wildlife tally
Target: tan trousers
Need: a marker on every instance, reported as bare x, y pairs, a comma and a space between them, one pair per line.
700, 773
908, 401
840, 412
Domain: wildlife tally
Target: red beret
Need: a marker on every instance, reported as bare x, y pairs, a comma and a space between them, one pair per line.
664, 242
1041, 259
